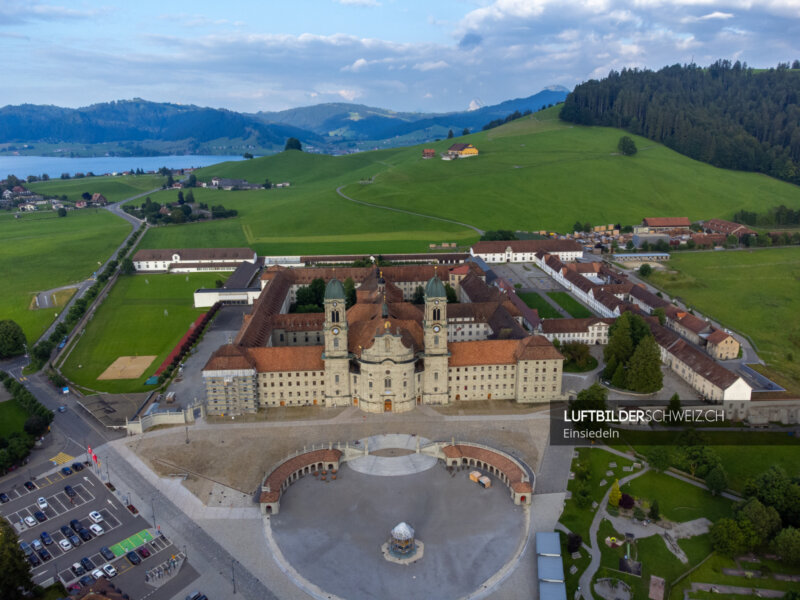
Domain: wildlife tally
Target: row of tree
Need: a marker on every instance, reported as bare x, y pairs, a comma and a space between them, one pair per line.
777, 215
727, 115
633, 360
310, 298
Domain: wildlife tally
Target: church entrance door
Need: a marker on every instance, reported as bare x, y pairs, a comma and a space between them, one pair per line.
387, 406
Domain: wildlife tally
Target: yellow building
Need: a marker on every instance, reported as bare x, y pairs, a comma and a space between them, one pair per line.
462, 150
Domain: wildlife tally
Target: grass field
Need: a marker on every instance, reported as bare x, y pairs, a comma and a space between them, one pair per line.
569, 304
12, 418
534, 300
131, 322
113, 188
677, 500
744, 454
753, 292
41, 251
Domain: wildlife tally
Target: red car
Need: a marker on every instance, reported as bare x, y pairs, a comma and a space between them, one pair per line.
144, 552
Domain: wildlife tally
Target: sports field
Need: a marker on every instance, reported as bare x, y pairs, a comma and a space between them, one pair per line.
131, 543
113, 188
145, 316
751, 291
41, 251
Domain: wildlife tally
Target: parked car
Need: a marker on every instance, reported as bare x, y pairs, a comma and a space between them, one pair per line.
109, 570
30, 521
30, 485
76, 525
133, 558
196, 596
66, 531
40, 516
97, 574
26, 549
76, 466
66, 471
77, 569
65, 545
87, 564
75, 540
45, 554
41, 502
86, 580
84, 533
96, 516
4, 497
34, 560
144, 552
73, 587
96, 529
107, 554
46, 538
62, 408
69, 491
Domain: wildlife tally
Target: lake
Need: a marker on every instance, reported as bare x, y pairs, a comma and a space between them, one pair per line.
22, 166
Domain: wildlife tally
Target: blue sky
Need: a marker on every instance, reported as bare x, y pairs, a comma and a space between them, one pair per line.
437, 55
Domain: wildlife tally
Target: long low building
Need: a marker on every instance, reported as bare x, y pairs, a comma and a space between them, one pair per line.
191, 260
494, 252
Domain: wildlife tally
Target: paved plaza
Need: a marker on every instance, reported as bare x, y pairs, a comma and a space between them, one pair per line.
331, 532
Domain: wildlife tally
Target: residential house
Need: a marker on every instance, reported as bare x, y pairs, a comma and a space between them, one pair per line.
692, 328
658, 224
99, 200
727, 228
428, 153
80, 204
462, 150
722, 345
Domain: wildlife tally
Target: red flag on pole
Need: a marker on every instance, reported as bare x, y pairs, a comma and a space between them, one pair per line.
89, 450
94, 457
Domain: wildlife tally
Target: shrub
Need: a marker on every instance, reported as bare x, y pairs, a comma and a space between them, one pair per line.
626, 501
574, 542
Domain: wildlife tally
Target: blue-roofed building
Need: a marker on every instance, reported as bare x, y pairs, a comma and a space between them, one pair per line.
550, 568
550, 590
548, 543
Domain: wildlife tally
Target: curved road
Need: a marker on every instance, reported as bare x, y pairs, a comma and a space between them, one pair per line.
408, 212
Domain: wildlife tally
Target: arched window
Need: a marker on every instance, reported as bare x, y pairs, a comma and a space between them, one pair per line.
387, 383
335, 316
437, 314
335, 342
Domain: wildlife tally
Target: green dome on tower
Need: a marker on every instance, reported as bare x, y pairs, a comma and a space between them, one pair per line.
334, 290
435, 288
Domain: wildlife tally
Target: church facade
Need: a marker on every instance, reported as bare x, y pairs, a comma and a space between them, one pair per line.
383, 353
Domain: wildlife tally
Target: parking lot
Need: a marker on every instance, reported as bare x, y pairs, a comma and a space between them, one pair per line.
116, 530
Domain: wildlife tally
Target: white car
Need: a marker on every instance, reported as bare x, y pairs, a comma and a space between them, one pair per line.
97, 574
30, 521
96, 516
65, 545
109, 570
96, 529
42, 503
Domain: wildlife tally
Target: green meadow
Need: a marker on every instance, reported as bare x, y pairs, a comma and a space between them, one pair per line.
143, 315
751, 291
40, 251
113, 188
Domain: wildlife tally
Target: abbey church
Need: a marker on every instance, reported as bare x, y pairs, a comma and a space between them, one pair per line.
383, 353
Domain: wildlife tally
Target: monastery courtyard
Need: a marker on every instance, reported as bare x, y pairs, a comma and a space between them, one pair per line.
327, 531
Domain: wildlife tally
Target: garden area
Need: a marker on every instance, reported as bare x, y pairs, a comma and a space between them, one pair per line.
535, 301
569, 304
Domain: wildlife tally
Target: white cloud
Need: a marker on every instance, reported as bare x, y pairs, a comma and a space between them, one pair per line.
358, 65
431, 65
359, 2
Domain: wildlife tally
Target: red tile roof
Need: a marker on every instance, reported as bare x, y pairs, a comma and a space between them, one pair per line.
572, 325
501, 352
196, 254
526, 246
276, 479
287, 358
516, 476
717, 337
667, 222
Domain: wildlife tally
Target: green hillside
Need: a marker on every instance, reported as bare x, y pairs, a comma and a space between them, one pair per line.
534, 173
113, 188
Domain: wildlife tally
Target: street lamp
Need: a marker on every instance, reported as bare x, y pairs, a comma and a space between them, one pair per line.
185, 554
153, 506
233, 575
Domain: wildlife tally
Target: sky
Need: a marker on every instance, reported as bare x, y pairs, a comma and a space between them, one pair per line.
406, 55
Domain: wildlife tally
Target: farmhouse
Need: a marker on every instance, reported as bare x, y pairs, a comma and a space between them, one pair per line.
658, 224
428, 153
722, 346
727, 228
224, 183
525, 250
382, 354
192, 260
99, 200
462, 150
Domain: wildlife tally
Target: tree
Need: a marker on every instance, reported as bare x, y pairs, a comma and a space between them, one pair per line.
765, 520
15, 576
717, 480
35, 425
731, 241
626, 501
574, 542
578, 226
662, 316
293, 144
620, 343
186, 209
86, 196
126, 267
247, 156
451, 294
659, 458
645, 270
12, 339
499, 234
419, 296
654, 513
727, 537
592, 398
615, 495
219, 284
450, 134
190, 197
180, 197
644, 369
627, 146
191, 181
62, 212
787, 544
349, 292
466, 131
674, 411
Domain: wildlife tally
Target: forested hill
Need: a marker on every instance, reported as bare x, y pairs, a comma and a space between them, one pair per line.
727, 115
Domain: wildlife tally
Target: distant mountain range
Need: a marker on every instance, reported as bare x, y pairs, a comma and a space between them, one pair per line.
129, 127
